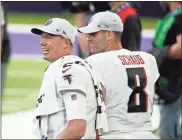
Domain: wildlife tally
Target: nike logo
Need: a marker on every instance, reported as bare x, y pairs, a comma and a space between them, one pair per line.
63, 71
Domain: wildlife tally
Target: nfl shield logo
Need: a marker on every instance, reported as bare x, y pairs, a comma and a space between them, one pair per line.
73, 97
48, 22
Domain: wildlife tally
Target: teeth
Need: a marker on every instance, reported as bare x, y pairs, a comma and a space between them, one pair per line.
45, 49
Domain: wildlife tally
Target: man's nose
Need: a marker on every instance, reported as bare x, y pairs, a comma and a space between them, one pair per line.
89, 37
42, 42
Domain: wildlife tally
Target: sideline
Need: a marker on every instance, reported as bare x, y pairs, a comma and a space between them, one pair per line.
20, 126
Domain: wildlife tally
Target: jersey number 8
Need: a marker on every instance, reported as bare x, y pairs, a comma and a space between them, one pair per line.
137, 81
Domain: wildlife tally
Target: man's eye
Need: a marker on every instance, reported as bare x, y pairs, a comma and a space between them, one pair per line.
93, 34
49, 37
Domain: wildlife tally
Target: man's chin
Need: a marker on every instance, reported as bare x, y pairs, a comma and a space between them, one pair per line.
45, 58
92, 50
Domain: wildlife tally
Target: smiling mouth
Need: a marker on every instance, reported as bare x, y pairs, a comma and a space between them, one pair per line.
91, 45
45, 51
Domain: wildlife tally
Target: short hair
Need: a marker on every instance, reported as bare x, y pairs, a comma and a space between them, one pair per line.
118, 35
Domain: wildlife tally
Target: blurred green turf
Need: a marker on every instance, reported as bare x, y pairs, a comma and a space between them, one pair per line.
37, 18
22, 85
148, 23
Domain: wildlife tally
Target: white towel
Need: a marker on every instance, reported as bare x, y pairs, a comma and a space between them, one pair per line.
101, 118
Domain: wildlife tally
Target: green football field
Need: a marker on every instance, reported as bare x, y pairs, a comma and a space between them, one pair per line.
22, 85
24, 76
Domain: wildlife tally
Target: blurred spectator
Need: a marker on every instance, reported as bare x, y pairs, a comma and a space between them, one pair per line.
128, 12
83, 10
79, 9
86, 9
2, 25
5, 48
167, 50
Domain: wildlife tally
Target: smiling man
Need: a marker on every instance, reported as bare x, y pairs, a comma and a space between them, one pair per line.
66, 105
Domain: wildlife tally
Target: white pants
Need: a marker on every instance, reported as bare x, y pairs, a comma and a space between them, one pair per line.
130, 135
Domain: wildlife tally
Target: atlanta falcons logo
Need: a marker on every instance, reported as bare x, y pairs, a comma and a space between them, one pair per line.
68, 77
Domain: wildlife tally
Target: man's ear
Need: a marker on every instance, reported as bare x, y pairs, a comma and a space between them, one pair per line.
67, 43
110, 35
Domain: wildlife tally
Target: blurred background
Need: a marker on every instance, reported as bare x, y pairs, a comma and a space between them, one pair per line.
25, 67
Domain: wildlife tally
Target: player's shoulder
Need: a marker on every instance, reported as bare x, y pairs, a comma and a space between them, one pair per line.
102, 57
150, 59
69, 63
66, 60
74, 65
144, 55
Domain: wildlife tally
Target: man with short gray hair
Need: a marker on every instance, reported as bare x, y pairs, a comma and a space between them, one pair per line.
129, 79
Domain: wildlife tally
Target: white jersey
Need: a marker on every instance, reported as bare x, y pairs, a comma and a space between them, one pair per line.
129, 79
71, 84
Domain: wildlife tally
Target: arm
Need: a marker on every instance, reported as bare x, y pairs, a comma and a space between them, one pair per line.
72, 131
76, 127
72, 87
161, 89
175, 51
79, 19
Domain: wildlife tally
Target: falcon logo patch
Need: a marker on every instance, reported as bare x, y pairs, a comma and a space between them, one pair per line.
68, 77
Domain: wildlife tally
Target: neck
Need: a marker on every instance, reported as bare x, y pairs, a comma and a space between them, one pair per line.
68, 51
114, 46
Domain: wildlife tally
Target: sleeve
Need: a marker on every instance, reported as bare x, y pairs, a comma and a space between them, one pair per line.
178, 24
131, 36
72, 78
160, 54
2, 17
71, 83
75, 104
